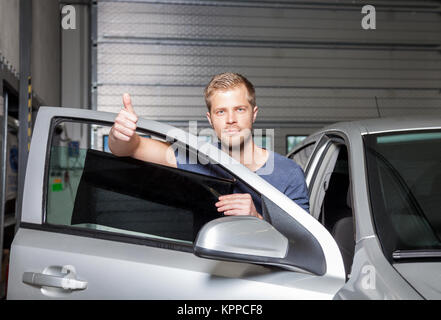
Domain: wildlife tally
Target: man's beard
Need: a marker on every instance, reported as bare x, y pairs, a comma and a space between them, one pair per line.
236, 144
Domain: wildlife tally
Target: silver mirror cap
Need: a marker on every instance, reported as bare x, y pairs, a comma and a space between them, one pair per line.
237, 237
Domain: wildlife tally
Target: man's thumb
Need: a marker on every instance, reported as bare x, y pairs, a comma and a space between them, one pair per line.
128, 103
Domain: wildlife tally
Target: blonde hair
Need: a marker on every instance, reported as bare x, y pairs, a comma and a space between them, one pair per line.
228, 80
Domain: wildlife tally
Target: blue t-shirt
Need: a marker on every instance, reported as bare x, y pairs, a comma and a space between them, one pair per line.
281, 172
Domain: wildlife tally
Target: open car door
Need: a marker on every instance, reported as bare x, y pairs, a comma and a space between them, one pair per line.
95, 226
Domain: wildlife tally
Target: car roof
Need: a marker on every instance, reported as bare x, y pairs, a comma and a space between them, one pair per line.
378, 125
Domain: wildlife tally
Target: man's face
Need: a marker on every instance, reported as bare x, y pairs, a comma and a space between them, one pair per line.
232, 116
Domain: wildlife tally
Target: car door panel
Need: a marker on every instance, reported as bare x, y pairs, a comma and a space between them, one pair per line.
115, 270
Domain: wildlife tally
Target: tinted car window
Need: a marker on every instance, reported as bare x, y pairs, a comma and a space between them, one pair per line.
404, 173
93, 189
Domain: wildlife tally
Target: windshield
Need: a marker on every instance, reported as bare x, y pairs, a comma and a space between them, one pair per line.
404, 175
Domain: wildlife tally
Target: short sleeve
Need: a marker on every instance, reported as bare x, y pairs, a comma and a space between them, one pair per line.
180, 158
296, 188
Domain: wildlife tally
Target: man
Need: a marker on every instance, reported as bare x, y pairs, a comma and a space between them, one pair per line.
232, 110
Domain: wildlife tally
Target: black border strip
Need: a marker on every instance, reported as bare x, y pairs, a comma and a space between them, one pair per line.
107, 235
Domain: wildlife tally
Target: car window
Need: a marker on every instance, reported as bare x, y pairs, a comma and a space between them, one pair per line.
302, 155
92, 189
404, 176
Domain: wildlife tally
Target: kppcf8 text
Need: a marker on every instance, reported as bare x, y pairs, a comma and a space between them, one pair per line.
251, 309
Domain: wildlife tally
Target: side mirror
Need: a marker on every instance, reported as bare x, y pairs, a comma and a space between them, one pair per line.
241, 238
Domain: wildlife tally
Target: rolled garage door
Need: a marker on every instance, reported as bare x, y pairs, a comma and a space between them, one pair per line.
310, 61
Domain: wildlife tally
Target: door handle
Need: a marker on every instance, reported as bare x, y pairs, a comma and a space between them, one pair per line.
67, 282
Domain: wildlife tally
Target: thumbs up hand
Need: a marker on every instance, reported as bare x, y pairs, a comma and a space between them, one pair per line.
125, 142
125, 123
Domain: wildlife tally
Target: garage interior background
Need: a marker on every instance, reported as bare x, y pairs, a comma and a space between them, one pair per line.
311, 62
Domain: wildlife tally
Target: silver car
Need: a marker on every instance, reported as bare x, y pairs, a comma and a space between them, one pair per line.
376, 186
95, 226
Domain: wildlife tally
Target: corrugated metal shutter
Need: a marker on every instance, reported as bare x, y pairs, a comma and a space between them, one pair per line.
310, 61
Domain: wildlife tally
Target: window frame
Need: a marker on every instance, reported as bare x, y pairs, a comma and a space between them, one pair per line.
325, 141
